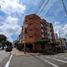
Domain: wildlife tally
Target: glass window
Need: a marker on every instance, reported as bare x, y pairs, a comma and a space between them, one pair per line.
30, 29
30, 23
30, 36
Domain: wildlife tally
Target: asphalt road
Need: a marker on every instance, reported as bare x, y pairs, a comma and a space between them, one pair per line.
25, 61
59, 60
3, 55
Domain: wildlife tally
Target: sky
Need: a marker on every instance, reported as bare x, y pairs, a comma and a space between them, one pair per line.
12, 13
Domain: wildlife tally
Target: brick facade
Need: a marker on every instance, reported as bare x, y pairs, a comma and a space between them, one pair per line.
37, 28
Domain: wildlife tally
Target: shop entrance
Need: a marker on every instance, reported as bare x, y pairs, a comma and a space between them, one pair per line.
29, 47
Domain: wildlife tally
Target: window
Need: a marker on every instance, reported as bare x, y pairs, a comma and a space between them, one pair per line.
25, 30
30, 23
30, 29
42, 38
42, 30
31, 18
42, 35
25, 20
41, 25
30, 36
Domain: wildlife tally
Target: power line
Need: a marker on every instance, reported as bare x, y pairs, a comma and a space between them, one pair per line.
41, 3
43, 6
64, 6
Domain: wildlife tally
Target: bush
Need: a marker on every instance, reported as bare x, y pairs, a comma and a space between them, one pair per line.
19, 47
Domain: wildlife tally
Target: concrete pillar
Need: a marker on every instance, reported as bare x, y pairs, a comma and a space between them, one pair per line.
33, 47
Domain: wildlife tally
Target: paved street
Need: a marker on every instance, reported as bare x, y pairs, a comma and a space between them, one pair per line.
18, 59
3, 55
59, 60
25, 61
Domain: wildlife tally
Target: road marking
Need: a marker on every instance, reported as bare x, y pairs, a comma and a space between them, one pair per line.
65, 57
49, 62
60, 60
57, 59
61, 57
8, 62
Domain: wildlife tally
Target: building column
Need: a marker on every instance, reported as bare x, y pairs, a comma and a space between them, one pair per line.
33, 47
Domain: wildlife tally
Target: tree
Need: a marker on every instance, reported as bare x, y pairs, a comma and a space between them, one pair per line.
16, 43
8, 43
55, 44
42, 42
3, 39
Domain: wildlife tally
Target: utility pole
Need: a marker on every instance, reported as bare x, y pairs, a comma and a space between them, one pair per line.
25, 32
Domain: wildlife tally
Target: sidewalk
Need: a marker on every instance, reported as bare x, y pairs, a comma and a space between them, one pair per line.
65, 51
17, 52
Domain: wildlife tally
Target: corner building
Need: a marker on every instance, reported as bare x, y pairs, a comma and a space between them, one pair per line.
36, 28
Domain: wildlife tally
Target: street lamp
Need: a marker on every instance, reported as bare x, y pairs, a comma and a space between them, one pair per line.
25, 32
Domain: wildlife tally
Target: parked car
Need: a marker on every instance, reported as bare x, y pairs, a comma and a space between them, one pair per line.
8, 48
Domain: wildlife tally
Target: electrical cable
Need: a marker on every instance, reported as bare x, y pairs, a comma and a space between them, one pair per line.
43, 6
64, 6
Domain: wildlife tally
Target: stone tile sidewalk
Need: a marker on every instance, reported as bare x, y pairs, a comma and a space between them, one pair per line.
17, 52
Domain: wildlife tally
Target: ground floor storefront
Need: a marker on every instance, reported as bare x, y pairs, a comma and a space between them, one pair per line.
35, 47
43, 48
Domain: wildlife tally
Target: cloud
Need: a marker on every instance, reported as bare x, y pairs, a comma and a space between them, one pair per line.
64, 29
60, 29
10, 27
12, 6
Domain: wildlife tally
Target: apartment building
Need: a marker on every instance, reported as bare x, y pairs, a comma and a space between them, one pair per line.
33, 29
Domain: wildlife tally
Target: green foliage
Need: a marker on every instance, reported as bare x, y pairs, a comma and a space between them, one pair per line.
42, 41
2, 38
55, 43
19, 46
8, 43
